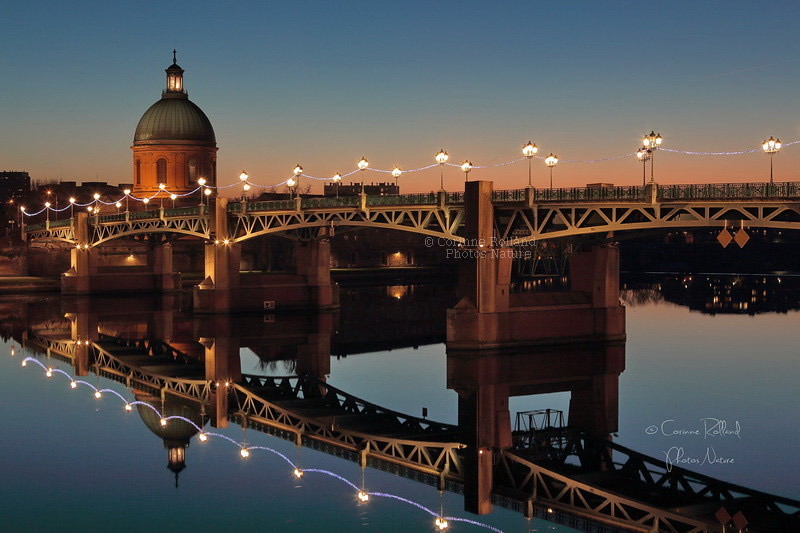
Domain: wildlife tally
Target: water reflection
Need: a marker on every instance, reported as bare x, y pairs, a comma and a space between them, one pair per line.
184, 373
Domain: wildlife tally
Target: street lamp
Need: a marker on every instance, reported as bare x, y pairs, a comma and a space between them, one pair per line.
529, 150
771, 147
118, 205
297, 171
644, 156
243, 176
396, 174
466, 166
200, 183
551, 161
442, 158
161, 187
72, 207
172, 197
47, 212
652, 142
363, 164
337, 178
127, 193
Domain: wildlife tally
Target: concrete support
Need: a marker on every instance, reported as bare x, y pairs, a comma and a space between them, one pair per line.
224, 289
222, 365
596, 274
83, 330
160, 261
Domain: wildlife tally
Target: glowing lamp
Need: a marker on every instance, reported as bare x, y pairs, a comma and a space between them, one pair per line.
336, 178
96, 196
243, 176
47, 204
49, 373
291, 182
203, 437
163, 422
363, 497
207, 192
297, 170
466, 166
245, 453
551, 160
440, 523
72, 200
246, 186
145, 200
529, 150
396, 172
172, 197
24, 363
73, 385
201, 181
298, 473
128, 407
118, 205
97, 394
442, 157
363, 163
126, 192
162, 186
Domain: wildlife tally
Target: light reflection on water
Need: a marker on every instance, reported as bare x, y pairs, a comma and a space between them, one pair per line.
680, 365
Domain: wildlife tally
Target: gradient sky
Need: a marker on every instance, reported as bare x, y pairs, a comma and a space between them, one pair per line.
323, 84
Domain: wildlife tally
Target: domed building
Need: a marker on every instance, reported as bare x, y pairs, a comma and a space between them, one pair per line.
174, 143
176, 433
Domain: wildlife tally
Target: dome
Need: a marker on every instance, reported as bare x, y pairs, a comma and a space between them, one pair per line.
174, 119
176, 432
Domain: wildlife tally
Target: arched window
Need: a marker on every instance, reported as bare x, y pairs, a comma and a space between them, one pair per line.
192, 171
137, 173
161, 170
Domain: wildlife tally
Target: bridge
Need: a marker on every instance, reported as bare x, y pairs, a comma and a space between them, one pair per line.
521, 215
477, 222
570, 474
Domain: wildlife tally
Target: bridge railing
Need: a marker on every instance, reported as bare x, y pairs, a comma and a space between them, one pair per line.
143, 215
182, 211
576, 194
341, 201
729, 191
508, 195
424, 198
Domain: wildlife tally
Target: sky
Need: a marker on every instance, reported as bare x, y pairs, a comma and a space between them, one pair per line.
323, 84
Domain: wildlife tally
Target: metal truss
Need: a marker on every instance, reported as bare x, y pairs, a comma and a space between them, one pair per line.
409, 450
517, 225
61, 233
423, 219
194, 225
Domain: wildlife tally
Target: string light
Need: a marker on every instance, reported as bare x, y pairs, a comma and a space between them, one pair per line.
440, 522
363, 164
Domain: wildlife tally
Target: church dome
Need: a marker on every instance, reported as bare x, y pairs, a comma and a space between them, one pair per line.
174, 119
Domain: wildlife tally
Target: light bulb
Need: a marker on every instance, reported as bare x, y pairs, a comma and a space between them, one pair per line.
72, 200
128, 407
172, 196
396, 172
243, 176
207, 192
291, 182
97, 394
363, 496
203, 437
201, 181
163, 422
49, 373
117, 205
126, 192
245, 453
162, 186
146, 200
298, 473
246, 186
297, 170
24, 363
96, 196
72, 384
337, 177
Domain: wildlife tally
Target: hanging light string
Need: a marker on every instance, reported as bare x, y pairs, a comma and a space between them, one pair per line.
168, 194
441, 521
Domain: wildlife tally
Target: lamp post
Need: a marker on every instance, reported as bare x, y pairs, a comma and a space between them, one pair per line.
396, 174
127, 193
161, 187
441, 158
529, 150
551, 161
72, 207
47, 211
21, 218
363, 164
207, 191
297, 171
172, 197
201, 182
652, 142
466, 166
644, 156
117, 205
771, 147
337, 178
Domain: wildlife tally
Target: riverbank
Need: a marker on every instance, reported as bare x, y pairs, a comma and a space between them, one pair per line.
26, 284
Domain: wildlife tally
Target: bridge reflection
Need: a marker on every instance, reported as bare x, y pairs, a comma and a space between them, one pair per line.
571, 471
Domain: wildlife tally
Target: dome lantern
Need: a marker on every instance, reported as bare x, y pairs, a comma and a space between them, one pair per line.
174, 77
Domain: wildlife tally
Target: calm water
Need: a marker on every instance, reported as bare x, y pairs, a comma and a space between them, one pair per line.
70, 461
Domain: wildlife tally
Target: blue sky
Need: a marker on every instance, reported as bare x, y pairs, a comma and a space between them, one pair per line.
324, 83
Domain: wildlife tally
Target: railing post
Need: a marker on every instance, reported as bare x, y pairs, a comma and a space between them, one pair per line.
244, 206
651, 193
161, 213
530, 196
442, 198
363, 204
298, 203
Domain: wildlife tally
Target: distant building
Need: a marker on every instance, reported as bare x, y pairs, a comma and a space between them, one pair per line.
354, 189
14, 185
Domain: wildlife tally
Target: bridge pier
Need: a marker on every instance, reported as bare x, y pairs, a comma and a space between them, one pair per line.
83, 330
225, 289
222, 367
489, 316
86, 276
